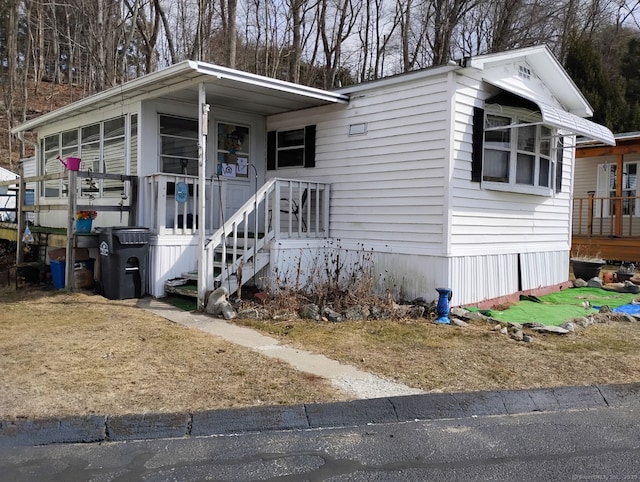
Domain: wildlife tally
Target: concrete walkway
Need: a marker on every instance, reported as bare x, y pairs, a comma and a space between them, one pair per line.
359, 384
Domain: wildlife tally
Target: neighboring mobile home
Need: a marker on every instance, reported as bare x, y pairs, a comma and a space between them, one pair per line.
606, 205
456, 176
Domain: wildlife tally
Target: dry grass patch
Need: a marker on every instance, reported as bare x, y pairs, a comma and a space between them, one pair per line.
74, 353
442, 358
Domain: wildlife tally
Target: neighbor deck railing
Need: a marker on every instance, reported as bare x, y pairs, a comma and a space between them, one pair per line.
613, 216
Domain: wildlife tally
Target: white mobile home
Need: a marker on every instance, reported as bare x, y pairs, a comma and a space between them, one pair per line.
7, 196
456, 176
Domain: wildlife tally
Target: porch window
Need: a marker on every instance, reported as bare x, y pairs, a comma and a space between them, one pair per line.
178, 145
234, 142
101, 146
291, 148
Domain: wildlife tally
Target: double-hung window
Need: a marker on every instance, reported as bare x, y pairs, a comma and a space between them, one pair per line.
291, 148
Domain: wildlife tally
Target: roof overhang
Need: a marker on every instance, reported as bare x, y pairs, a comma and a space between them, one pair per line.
225, 88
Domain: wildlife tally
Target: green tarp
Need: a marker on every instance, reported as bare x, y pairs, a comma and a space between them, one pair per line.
556, 308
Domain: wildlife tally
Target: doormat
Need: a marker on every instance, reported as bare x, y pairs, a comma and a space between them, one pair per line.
556, 308
186, 303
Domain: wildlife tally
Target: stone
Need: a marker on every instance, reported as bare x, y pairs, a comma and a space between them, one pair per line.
604, 309
249, 314
331, 315
595, 283
228, 312
377, 313
458, 322
569, 326
356, 313
416, 312
477, 316
504, 331
518, 335
579, 283
527, 339
459, 312
310, 311
218, 304
583, 322
550, 329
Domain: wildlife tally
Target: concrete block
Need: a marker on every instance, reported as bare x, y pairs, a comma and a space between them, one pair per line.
148, 426
51, 431
250, 419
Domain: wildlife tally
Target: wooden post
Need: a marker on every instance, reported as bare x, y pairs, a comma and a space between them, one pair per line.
71, 215
589, 213
619, 216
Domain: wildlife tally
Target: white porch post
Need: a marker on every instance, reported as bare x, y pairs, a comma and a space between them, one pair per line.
202, 163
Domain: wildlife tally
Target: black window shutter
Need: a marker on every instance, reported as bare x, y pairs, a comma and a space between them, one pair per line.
271, 150
310, 146
477, 144
559, 157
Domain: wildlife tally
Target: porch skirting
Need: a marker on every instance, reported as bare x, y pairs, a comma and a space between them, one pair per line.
170, 257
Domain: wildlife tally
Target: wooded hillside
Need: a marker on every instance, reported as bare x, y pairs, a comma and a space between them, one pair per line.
55, 52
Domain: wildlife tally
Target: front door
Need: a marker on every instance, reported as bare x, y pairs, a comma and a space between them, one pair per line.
236, 166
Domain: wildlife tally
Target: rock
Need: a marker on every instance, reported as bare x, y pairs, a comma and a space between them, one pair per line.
625, 287
527, 339
595, 283
503, 330
331, 315
569, 326
356, 313
604, 309
416, 312
310, 311
518, 335
550, 329
533, 324
579, 283
377, 313
496, 327
228, 312
583, 322
477, 316
218, 304
249, 314
460, 312
458, 322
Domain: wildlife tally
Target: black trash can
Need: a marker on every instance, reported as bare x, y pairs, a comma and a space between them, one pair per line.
124, 253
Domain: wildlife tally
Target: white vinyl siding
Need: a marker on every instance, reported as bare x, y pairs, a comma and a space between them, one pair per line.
489, 222
386, 185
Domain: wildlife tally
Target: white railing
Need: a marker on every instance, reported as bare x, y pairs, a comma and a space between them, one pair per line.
164, 214
280, 209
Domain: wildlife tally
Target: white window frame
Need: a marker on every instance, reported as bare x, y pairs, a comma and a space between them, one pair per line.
515, 121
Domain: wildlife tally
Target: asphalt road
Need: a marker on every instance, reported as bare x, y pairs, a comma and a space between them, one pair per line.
587, 444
